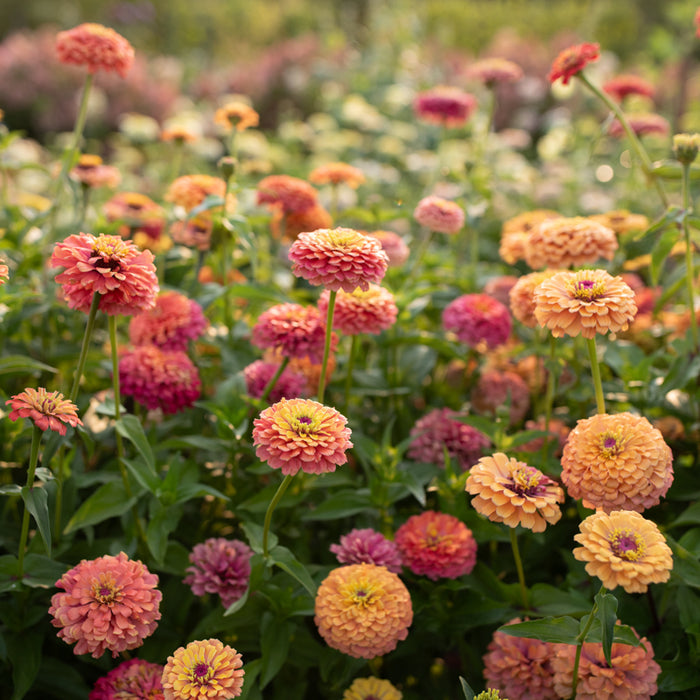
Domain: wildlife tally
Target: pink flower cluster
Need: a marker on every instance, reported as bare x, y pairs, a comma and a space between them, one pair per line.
369, 547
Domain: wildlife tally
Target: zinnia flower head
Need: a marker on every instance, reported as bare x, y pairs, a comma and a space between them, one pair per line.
338, 258
494, 388
289, 385
156, 378
138, 212
170, 324
499, 288
4, 272
515, 233
621, 86
363, 610
642, 125
106, 603
393, 245
569, 241
219, 566
367, 546
123, 276
436, 545
189, 191
438, 214
494, 70
439, 430
134, 679
237, 115
490, 694
522, 296
508, 491
371, 311
622, 221
631, 675
291, 194
520, 667
288, 225
478, 319
335, 173
372, 689
617, 462
95, 46
572, 61
584, 302
180, 133
90, 171
301, 434
444, 105
48, 410
194, 232
203, 670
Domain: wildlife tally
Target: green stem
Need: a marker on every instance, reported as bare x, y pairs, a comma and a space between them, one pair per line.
33, 458
418, 254
354, 344
549, 396
595, 370
270, 509
519, 567
689, 273
92, 314
327, 345
579, 644
273, 380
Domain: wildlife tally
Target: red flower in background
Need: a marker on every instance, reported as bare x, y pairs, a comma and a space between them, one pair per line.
572, 61
95, 46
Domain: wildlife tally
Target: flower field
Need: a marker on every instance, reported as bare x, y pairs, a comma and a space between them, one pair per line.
390, 389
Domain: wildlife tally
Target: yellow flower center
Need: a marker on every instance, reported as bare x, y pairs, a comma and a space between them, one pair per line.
362, 593
433, 537
612, 443
104, 589
343, 239
627, 544
526, 481
303, 425
111, 249
587, 290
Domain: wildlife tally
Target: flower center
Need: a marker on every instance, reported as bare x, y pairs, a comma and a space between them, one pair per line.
527, 481
433, 537
104, 590
343, 239
611, 444
361, 594
303, 425
108, 252
201, 673
627, 545
588, 290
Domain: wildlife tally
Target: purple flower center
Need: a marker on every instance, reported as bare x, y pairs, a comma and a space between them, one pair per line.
627, 545
609, 443
305, 419
104, 591
201, 670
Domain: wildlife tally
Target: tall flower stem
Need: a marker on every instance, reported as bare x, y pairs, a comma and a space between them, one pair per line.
274, 379
270, 510
327, 345
595, 370
348, 375
417, 255
519, 567
24, 532
689, 273
580, 641
549, 395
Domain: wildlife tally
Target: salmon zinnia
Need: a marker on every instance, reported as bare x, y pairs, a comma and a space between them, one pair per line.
48, 410
371, 311
134, 679
95, 46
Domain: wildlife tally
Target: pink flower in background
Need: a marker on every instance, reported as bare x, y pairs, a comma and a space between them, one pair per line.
393, 245
290, 194
438, 214
367, 546
4, 272
494, 70
495, 388
90, 171
220, 566
477, 319
622, 86
371, 311
131, 680
48, 410
641, 125
95, 46
137, 213
289, 385
444, 105
572, 61
108, 603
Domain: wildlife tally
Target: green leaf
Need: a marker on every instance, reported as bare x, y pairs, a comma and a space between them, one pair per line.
468, 692
8, 489
24, 653
286, 561
143, 474
238, 604
550, 600
42, 572
254, 533
186, 492
660, 253
690, 516
340, 505
14, 364
163, 520
560, 630
686, 567
108, 501
274, 644
36, 501
130, 427
607, 616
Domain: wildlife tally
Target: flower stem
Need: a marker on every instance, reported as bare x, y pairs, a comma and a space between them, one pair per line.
92, 314
327, 345
595, 370
579, 644
519, 566
689, 274
354, 344
274, 379
270, 509
24, 532
549, 396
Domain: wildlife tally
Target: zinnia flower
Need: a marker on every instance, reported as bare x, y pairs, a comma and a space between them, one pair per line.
641, 125
170, 324
621, 86
585, 302
236, 115
371, 311
194, 232
572, 61
372, 689
156, 378
499, 288
512, 492
291, 194
438, 214
108, 603
288, 225
477, 319
521, 667
490, 694
363, 610
444, 105
367, 546
123, 275
495, 388
203, 670
189, 191
515, 233
95, 46
436, 545
494, 70
131, 680
631, 675
180, 133
219, 566
301, 434
617, 462
439, 430
90, 171
289, 385
335, 173
522, 296
393, 245
622, 221
47, 410
4, 272
339, 258
137, 212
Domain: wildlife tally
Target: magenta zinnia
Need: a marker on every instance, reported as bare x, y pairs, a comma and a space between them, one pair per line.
134, 679
48, 410
444, 105
289, 385
477, 319
367, 546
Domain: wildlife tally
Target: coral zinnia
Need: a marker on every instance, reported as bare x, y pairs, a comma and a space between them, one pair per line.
477, 319
95, 46
363, 610
219, 566
291, 194
438, 214
444, 105
338, 258
137, 212
585, 302
641, 125
494, 70
393, 245
134, 679
371, 311
156, 378
617, 462
288, 225
335, 173
372, 689
622, 548
368, 546
236, 115
108, 603
203, 670
621, 86
289, 385
436, 545
47, 410
573, 60
189, 191
494, 388
301, 434
512, 492
522, 296
123, 276
90, 171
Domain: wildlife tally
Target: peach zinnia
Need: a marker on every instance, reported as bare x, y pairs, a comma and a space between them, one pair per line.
438, 214
573, 60
363, 610
371, 311
372, 689
522, 296
48, 410
301, 434
508, 491
236, 115
95, 46
189, 191
586, 302
336, 173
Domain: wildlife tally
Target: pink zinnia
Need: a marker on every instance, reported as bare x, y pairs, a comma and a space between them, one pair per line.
368, 546
170, 324
95, 46
477, 319
108, 603
289, 385
371, 311
572, 61
301, 434
621, 86
4, 272
165, 379
137, 213
436, 545
220, 566
339, 258
444, 105
439, 430
123, 275
131, 680
641, 125
48, 410
495, 388
438, 214
393, 245
290, 194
